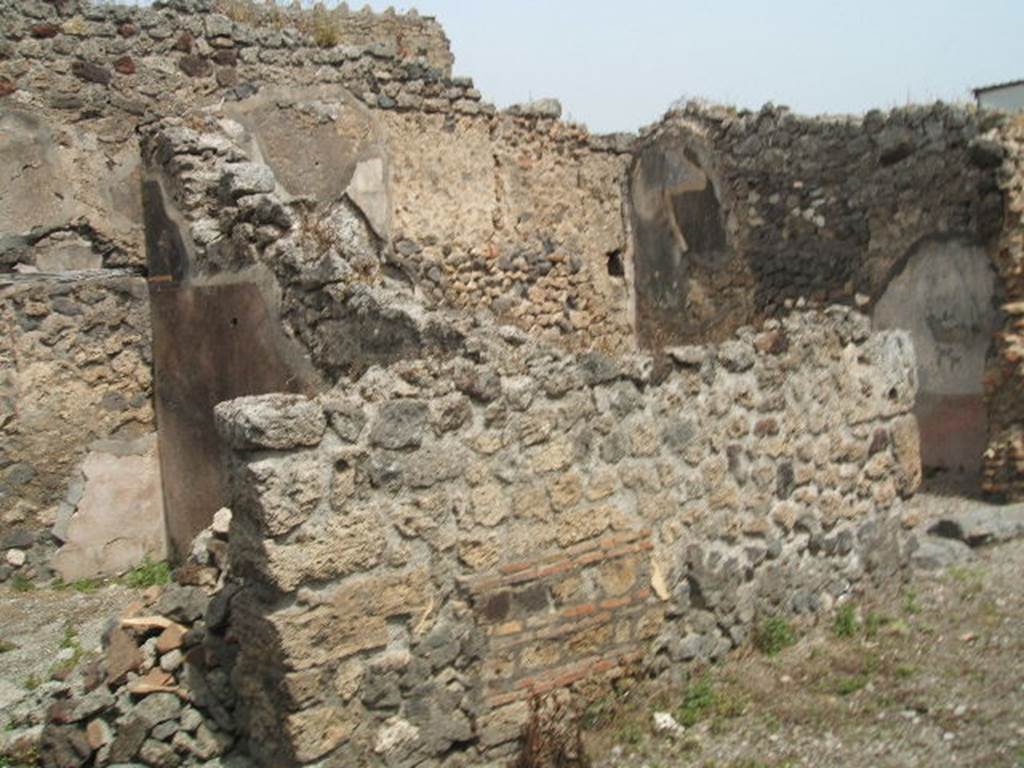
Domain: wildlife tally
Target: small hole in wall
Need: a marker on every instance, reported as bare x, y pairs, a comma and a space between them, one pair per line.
893, 393
615, 265
234, 321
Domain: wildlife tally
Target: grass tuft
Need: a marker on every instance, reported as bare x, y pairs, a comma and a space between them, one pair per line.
773, 635
20, 583
148, 574
845, 624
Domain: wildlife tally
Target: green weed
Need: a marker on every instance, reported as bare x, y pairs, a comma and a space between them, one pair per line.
910, 603
148, 574
698, 699
773, 635
70, 642
845, 623
873, 624
847, 685
22, 584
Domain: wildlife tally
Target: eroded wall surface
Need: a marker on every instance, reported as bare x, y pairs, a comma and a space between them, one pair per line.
946, 298
75, 370
516, 213
430, 546
512, 214
740, 214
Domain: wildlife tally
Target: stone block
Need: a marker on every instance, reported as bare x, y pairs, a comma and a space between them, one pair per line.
275, 421
119, 520
278, 493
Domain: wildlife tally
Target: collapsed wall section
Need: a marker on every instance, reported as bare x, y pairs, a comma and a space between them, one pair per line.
429, 547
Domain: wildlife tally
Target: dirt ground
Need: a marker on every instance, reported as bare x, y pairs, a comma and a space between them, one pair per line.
44, 628
929, 674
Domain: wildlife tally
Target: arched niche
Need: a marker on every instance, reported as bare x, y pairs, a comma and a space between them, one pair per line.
680, 236
944, 298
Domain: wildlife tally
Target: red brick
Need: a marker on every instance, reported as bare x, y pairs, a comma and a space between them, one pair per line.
575, 611
516, 567
589, 558
508, 628
552, 570
612, 603
125, 65
44, 29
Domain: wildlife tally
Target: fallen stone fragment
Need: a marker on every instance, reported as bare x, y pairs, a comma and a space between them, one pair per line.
667, 725
183, 604
983, 526
934, 552
98, 733
147, 622
123, 655
171, 638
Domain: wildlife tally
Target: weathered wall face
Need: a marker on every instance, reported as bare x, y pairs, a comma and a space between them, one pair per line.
945, 297
372, 99
514, 213
426, 548
74, 369
744, 212
1003, 472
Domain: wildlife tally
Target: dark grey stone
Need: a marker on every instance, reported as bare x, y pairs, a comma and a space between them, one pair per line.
399, 424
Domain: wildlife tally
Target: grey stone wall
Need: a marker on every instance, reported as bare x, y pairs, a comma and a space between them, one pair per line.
738, 215
428, 547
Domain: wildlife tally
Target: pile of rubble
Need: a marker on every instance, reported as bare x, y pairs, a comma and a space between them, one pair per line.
160, 694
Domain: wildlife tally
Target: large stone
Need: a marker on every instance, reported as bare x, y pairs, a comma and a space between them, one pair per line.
120, 517
281, 492
122, 655
368, 190
989, 525
183, 604
547, 108
157, 708
933, 552
315, 732
242, 179
399, 424
275, 421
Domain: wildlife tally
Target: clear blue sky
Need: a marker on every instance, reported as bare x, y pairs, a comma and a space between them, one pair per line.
618, 65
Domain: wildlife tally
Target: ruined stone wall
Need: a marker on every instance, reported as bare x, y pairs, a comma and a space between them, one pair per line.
515, 213
1003, 473
430, 546
405, 35
741, 214
75, 382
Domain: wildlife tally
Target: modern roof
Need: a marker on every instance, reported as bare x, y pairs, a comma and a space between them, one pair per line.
997, 86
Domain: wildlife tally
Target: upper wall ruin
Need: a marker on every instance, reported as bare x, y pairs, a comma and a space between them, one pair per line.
740, 214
